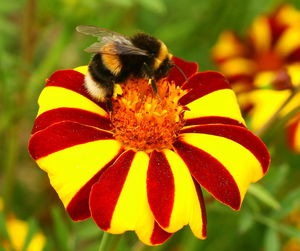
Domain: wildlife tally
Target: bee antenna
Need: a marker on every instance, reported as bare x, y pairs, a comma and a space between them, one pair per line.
181, 71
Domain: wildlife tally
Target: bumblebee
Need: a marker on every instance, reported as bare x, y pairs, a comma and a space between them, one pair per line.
118, 57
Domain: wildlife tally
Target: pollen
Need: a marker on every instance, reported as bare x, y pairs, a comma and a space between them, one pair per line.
144, 120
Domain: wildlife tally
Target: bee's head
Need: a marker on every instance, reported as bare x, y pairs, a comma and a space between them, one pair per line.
160, 58
163, 68
162, 61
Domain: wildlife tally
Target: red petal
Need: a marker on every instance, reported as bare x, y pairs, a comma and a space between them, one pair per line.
189, 68
70, 114
105, 193
159, 236
78, 208
63, 135
240, 135
213, 120
72, 80
210, 173
202, 205
201, 84
160, 188
291, 134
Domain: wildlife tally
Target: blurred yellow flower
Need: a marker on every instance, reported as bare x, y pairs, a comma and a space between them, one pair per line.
17, 232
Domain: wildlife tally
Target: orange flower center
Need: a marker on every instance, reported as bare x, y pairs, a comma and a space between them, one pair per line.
147, 121
269, 61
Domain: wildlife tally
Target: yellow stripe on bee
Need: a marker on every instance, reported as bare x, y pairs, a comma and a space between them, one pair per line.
112, 63
84, 71
260, 34
186, 207
110, 58
221, 103
238, 66
71, 168
239, 161
132, 210
53, 97
162, 55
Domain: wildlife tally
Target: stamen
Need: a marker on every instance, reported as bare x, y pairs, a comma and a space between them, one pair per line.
142, 121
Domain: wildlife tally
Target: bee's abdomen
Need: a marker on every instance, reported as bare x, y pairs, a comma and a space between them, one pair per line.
100, 78
99, 71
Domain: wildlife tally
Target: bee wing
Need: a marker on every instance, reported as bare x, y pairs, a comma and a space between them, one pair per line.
122, 43
97, 31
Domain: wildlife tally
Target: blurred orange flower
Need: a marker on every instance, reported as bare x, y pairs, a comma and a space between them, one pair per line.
264, 68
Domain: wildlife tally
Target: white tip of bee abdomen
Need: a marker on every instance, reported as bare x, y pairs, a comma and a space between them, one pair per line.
94, 89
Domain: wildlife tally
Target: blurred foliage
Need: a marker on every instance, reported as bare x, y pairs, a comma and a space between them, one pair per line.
38, 37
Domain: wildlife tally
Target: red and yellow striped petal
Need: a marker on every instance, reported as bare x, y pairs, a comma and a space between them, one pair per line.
293, 134
188, 68
65, 99
288, 42
224, 159
261, 35
73, 155
174, 199
118, 201
84, 117
228, 46
239, 66
266, 103
210, 96
288, 15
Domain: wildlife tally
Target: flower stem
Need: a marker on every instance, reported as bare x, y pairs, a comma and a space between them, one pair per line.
271, 122
109, 242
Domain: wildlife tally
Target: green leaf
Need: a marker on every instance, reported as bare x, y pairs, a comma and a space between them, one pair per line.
264, 195
287, 230
3, 230
32, 229
49, 244
276, 177
271, 240
61, 230
87, 230
121, 3
246, 221
156, 6
290, 202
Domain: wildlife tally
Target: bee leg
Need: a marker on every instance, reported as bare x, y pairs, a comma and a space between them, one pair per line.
152, 82
110, 92
109, 105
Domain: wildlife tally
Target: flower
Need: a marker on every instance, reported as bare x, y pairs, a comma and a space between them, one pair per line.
264, 68
141, 167
292, 244
17, 231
